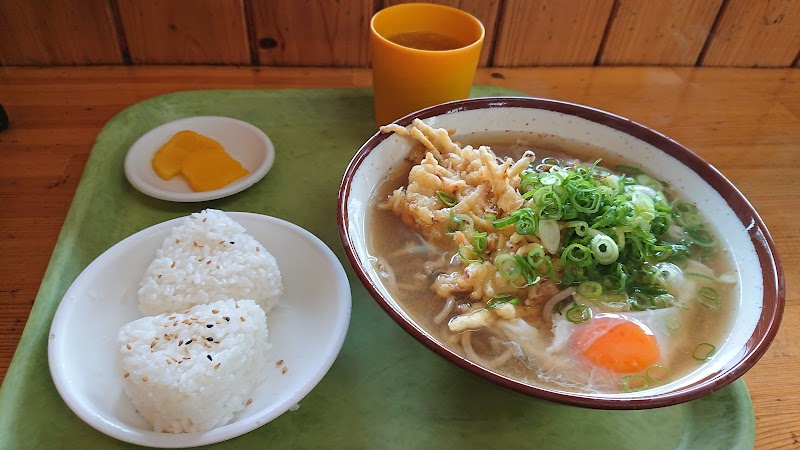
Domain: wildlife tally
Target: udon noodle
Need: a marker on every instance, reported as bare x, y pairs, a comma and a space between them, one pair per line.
557, 271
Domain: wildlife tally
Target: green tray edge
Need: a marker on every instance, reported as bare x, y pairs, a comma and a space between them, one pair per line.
60, 273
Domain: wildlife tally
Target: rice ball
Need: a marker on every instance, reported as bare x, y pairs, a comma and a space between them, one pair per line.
191, 372
209, 257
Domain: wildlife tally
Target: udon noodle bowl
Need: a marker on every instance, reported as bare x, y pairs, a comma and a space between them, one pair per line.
548, 261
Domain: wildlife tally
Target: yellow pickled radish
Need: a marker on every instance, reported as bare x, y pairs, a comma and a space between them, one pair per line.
201, 160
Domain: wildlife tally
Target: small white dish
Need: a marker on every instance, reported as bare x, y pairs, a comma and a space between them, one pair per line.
243, 141
306, 330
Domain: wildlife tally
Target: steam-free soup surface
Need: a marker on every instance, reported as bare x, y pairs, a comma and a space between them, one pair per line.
460, 270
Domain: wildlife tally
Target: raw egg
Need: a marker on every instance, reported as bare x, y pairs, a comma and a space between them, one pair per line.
616, 343
620, 343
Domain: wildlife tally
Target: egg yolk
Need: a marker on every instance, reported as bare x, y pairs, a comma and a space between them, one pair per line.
619, 345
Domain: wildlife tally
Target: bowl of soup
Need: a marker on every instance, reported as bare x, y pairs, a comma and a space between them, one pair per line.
562, 252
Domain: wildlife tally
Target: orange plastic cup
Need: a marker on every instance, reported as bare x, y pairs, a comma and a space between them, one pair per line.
406, 79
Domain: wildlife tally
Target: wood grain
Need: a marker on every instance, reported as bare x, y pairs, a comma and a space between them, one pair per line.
746, 122
316, 33
484, 10
550, 32
334, 33
644, 32
58, 32
185, 31
755, 33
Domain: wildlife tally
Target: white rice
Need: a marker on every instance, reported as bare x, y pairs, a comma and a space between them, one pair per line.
178, 379
209, 257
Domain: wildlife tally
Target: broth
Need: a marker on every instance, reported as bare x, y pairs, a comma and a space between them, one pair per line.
413, 266
426, 40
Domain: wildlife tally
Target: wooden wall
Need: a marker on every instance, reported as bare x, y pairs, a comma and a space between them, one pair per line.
751, 33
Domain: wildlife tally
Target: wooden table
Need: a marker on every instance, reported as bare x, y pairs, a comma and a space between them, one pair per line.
746, 122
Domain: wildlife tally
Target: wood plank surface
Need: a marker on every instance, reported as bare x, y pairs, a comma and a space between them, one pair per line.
484, 10
755, 33
550, 32
744, 121
185, 31
645, 32
312, 33
58, 32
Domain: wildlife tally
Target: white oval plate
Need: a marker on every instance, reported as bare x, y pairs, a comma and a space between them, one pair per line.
306, 330
243, 141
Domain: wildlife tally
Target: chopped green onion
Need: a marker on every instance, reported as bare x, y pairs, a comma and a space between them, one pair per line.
447, 199
700, 275
709, 293
541, 263
604, 249
704, 351
680, 304
632, 383
462, 222
527, 272
550, 161
528, 182
577, 254
662, 252
584, 197
673, 323
502, 299
550, 204
667, 273
469, 255
510, 219
663, 301
658, 374
504, 222
606, 229
581, 228
614, 301
526, 224
683, 207
508, 266
465, 219
455, 222
590, 289
600, 172
619, 279
616, 306
647, 180
686, 214
579, 313
608, 218
490, 217
555, 176
639, 302
524, 218
480, 242
708, 297
700, 236
620, 237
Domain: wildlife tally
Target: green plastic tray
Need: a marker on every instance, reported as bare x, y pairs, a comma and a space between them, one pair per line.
385, 390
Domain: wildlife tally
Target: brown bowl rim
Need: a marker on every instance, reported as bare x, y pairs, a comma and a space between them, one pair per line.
771, 268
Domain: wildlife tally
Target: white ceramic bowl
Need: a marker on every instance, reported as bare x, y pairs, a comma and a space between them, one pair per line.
245, 142
760, 288
306, 329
